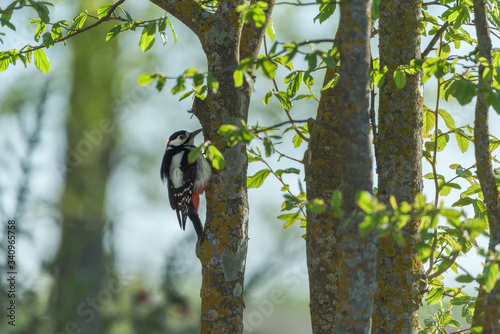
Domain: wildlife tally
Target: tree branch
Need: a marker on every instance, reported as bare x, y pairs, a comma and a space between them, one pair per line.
189, 12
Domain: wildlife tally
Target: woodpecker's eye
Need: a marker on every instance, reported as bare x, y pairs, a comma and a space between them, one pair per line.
182, 137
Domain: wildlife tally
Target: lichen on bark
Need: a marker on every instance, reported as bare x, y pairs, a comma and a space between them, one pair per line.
487, 311
399, 271
323, 252
358, 260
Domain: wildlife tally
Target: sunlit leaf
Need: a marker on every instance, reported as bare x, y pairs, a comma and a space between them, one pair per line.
258, 179
148, 37
41, 61
214, 155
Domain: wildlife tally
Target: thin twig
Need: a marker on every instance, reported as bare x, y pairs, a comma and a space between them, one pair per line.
104, 18
283, 183
282, 155
434, 40
437, 273
298, 3
287, 111
434, 172
372, 120
259, 130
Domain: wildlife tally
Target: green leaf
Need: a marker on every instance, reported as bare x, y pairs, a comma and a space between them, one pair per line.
160, 83
270, 30
331, 83
216, 157
316, 206
126, 13
42, 11
297, 140
448, 120
490, 275
103, 11
308, 79
212, 83
462, 90
378, 79
336, 203
145, 79
304, 96
258, 179
365, 201
78, 22
291, 170
284, 100
268, 145
463, 299
267, 97
238, 78
463, 202
47, 40
398, 237
463, 142
193, 155
326, 9
463, 279
290, 218
40, 28
375, 9
186, 95
434, 296
399, 78
173, 30
294, 85
493, 99
56, 32
4, 61
429, 120
113, 32
148, 36
268, 68
41, 61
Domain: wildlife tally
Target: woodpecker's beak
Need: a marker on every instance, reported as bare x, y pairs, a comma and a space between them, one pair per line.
194, 133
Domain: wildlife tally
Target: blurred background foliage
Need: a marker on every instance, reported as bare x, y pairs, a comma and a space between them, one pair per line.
98, 247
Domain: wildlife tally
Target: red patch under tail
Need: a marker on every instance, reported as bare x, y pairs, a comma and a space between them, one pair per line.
195, 199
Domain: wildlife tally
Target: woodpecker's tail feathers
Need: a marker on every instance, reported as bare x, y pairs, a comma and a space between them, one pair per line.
197, 224
182, 220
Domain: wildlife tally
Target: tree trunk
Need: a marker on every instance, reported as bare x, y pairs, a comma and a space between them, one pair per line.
487, 310
323, 173
358, 261
223, 253
399, 270
78, 291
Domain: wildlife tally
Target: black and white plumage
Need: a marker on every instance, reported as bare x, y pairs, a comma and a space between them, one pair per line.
185, 181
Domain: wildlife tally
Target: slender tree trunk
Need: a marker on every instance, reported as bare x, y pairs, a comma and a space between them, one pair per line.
223, 254
358, 262
323, 172
78, 293
487, 312
399, 270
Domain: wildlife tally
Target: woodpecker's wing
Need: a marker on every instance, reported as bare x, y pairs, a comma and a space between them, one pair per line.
164, 170
180, 197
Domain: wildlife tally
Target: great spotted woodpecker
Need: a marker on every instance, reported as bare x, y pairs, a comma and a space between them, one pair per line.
185, 181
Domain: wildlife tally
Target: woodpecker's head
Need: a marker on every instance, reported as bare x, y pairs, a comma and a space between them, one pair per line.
182, 138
